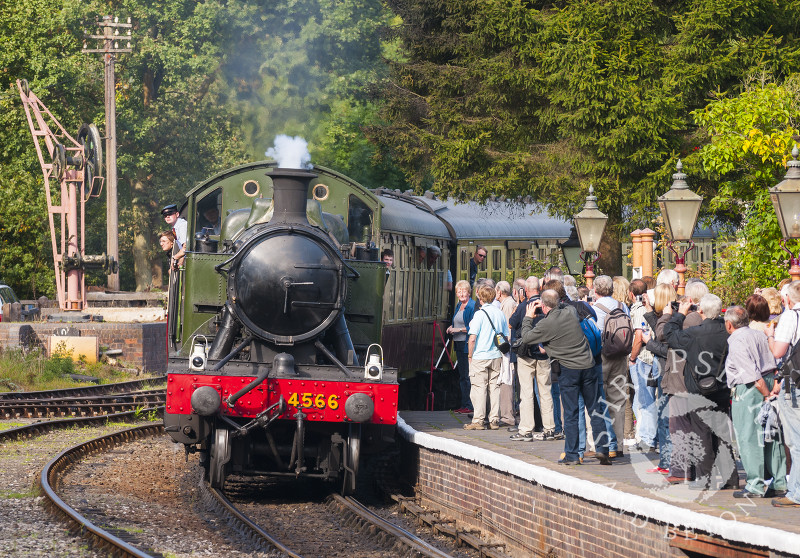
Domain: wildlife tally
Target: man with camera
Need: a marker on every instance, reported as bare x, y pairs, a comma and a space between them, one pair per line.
783, 341
532, 366
561, 334
750, 373
641, 368
705, 347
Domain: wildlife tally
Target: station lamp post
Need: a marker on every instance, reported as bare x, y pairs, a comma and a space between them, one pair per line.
785, 198
680, 207
571, 250
590, 224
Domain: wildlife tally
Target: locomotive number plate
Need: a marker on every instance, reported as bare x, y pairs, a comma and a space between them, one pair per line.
317, 400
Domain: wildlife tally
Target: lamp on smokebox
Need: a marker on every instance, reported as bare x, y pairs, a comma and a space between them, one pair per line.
590, 224
571, 250
680, 207
785, 197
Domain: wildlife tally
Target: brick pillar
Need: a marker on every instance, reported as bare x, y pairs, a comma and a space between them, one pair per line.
636, 251
646, 237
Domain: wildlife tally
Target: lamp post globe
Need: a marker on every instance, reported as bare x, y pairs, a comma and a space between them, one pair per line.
571, 250
590, 224
785, 198
680, 208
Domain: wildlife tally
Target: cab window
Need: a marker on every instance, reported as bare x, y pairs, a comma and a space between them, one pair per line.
359, 220
208, 217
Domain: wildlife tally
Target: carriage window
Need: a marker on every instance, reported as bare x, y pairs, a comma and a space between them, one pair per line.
388, 298
419, 260
359, 220
497, 262
401, 275
510, 259
209, 210
463, 259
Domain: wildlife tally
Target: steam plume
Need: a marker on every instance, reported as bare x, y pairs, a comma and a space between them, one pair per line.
290, 152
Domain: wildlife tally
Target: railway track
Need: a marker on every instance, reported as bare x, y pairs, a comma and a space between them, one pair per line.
353, 520
103, 389
79, 406
42, 427
354, 515
52, 472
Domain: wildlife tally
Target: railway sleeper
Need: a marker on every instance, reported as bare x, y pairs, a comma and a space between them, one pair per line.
432, 518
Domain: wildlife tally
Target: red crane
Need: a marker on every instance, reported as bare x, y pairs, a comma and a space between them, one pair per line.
74, 166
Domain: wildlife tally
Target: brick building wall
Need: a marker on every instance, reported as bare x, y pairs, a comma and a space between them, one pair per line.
142, 344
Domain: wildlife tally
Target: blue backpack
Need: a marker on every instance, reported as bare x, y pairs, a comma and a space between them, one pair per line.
593, 335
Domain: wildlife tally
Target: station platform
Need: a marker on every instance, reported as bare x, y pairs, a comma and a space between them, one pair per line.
518, 492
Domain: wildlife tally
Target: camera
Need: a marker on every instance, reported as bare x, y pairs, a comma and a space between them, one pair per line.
538, 311
675, 305
638, 298
652, 381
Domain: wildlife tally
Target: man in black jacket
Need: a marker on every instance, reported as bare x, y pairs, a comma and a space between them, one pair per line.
534, 368
705, 347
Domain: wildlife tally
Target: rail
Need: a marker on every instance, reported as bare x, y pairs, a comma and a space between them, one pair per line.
59, 464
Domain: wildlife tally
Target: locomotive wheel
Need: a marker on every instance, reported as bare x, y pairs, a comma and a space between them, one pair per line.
220, 455
353, 456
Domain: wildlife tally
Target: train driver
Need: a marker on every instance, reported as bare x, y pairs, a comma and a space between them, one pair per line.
179, 228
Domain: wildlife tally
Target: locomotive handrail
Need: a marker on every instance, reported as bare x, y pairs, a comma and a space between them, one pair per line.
356, 274
236, 350
332, 357
218, 267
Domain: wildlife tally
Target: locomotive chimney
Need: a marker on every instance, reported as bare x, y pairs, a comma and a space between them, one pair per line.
289, 192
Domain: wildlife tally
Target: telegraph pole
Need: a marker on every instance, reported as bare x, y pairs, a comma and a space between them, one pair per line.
111, 46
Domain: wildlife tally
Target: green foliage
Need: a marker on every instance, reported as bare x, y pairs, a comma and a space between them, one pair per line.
207, 86
748, 140
526, 98
33, 370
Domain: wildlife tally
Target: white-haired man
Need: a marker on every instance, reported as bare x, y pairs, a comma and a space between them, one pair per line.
781, 340
507, 306
668, 277
750, 373
706, 346
535, 367
615, 368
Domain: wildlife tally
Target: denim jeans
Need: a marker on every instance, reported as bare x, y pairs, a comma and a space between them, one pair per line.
574, 383
462, 366
555, 390
644, 403
601, 408
662, 406
789, 410
581, 425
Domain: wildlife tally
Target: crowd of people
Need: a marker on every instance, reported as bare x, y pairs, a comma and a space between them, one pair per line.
632, 366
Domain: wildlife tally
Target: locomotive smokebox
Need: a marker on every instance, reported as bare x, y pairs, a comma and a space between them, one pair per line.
289, 191
287, 283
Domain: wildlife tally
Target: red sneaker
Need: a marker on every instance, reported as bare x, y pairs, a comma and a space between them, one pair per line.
463, 410
659, 470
